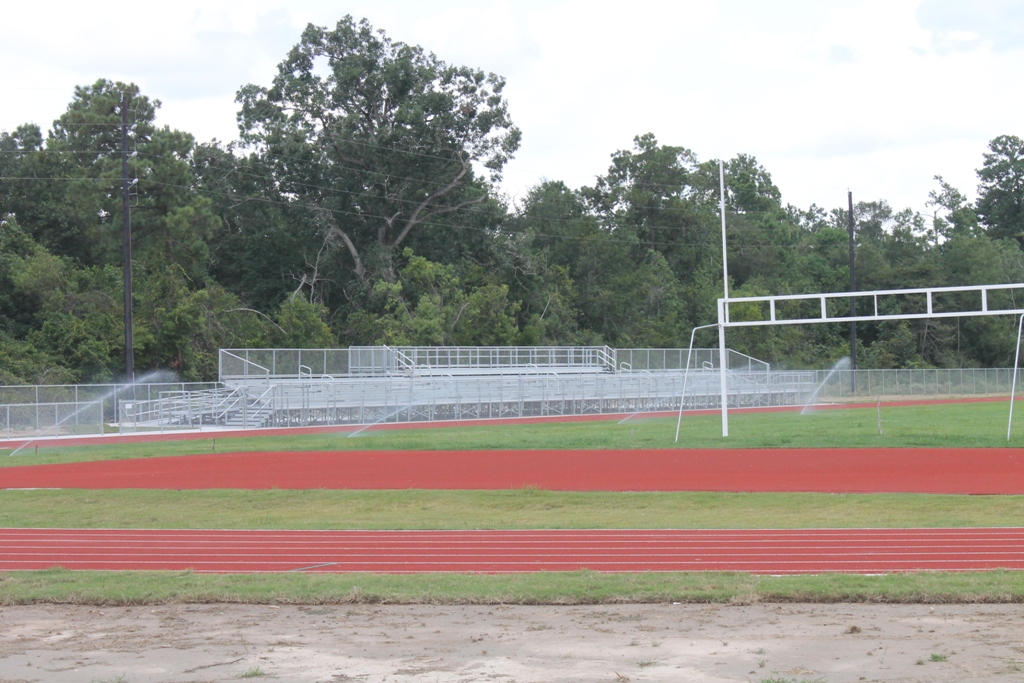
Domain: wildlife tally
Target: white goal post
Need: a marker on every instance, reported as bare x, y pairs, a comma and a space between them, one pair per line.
802, 309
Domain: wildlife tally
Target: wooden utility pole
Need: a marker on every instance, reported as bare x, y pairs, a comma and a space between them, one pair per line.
126, 224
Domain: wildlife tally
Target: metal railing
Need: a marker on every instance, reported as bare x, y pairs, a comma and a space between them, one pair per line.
257, 365
675, 359
246, 365
506, 359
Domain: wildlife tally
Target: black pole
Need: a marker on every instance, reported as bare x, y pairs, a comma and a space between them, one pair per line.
126, 224
853, 307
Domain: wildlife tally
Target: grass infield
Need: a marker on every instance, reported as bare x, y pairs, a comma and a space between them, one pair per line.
979, 424
59, 586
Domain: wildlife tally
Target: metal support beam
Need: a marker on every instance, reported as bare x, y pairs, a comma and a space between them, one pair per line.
686, 376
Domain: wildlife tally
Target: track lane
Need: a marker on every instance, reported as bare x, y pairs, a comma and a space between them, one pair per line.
865, 551
827, 470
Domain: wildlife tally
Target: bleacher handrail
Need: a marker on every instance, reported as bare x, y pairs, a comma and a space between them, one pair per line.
386, 360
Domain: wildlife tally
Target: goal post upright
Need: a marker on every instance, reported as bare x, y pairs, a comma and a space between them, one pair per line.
723, 312
722, 368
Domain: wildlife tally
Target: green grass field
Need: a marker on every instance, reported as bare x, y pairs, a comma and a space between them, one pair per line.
960, 425
515, 509
981, 424
546, 588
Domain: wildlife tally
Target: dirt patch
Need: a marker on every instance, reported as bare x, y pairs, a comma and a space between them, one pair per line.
193, 643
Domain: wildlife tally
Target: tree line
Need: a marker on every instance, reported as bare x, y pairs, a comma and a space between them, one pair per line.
360, 206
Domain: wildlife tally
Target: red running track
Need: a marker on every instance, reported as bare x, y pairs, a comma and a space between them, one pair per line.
837, 470
863, 551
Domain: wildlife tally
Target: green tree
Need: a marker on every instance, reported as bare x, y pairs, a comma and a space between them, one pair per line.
264, 248
533, 256
750, 187
61, 256
377, 138
431, 305
70, 200
954, 215
302, 325
78, 315
661, 197
762, 238
1001, 191
20, 361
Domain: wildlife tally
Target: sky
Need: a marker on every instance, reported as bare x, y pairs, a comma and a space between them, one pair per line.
872, 96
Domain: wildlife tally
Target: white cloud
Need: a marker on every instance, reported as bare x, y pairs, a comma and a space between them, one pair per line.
956, 25
873, 95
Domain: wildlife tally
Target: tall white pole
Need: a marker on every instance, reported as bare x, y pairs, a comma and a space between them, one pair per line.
723, 360
725, 257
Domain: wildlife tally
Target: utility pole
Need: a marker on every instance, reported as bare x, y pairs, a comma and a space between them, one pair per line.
853, 308
126, 224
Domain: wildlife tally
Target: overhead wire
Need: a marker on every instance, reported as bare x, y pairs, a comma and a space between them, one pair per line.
237, 169
405, 151
604, 237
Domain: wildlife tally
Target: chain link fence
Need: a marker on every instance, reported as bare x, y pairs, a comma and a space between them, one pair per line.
932, 382
74, 409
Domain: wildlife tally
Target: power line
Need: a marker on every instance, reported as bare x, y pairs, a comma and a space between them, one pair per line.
663, 186
602, 234
240, 171
236, 167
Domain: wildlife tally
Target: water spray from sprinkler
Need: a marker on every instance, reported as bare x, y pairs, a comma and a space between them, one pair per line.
154, 377
843, 364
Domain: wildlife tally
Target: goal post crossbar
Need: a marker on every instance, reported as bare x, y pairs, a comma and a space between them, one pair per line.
980, 305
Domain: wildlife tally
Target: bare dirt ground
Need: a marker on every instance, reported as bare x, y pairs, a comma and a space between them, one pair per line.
372, 643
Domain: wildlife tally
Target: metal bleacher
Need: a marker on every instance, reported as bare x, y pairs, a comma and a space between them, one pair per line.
372, 384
